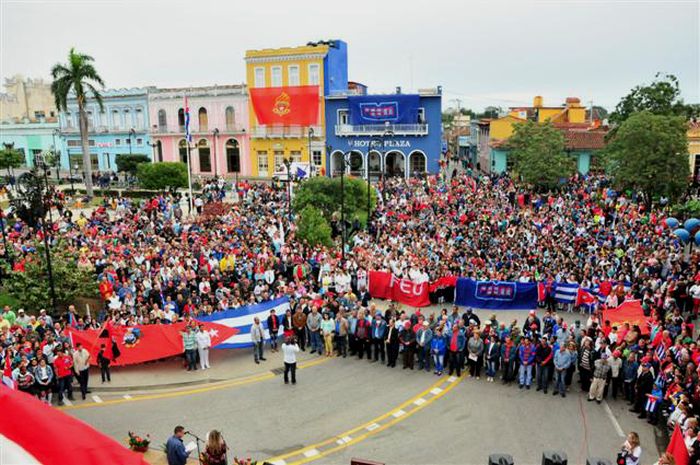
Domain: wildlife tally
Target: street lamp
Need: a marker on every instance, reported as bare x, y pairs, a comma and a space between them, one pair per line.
344, 162
215, 132
387, 132
57, 155
311, 134
132, 132
373, 142
287, 164
153, 146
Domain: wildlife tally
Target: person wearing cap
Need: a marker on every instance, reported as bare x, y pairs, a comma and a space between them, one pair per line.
601, 371
424, 336
23, 320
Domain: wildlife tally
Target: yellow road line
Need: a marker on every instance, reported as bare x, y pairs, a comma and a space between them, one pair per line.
165, 395
381, 427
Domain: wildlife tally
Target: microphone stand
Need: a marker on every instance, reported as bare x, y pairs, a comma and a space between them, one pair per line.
197, 440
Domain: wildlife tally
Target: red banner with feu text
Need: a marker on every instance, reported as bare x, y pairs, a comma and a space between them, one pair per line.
291, 105
384, 285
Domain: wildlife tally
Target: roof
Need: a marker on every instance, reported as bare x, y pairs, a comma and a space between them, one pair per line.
583, 139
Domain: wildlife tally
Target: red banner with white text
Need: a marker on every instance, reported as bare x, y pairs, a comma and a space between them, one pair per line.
384, 285
285, 106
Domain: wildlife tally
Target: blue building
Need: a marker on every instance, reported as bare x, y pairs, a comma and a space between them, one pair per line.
404, 132
120, 128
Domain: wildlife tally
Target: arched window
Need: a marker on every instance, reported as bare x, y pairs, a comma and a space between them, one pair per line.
204, 156
139, 118
203, 120
183, 151
181, 119
68, 118
417, 163
233, 156
159, 151
230, 119
162, 120
90, 121
116, 119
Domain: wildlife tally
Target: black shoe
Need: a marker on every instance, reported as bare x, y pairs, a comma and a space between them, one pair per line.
563, 394
405, 368
545, 391
294, 382
590, 400
599, 402
527, 387
257, 361
71, 398
521, 386
538, 388
286, 382
642, 415
263, 358
555, 393
83, 395
313, 351
88, 391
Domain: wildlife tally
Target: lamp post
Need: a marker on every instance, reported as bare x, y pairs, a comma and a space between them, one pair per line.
387, 132
372, 142
57, 154
215, 133
153, 146
311, 159
345, 162
132, 132
287, 164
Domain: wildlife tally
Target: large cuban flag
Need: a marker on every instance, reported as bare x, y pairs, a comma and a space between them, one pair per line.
242, 319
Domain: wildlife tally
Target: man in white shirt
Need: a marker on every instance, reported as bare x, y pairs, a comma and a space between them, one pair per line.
81, 365
289, 350
203, 344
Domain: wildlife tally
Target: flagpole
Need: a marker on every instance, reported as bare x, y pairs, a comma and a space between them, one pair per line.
189, 175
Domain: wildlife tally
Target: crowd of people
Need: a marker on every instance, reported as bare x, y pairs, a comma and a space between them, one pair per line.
155, 264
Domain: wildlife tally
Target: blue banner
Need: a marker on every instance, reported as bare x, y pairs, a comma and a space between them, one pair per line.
379, 109
496, 295
242, 319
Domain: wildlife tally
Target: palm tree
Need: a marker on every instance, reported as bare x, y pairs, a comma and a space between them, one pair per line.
78, 76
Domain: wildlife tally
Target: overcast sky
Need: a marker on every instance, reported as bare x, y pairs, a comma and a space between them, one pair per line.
484, 53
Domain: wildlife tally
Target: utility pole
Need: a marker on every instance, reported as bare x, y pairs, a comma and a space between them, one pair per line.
591, 102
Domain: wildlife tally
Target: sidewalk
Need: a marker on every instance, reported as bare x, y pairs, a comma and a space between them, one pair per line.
226, 364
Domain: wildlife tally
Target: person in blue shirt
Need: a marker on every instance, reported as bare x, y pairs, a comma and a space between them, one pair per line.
175, 449
562, 361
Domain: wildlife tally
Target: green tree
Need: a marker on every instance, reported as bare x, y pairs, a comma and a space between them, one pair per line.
10, 158
690, 209
661, 97
313, 227
130, 163
78, 77
538, 154
31, 287
160, 176
325, 193
649, 153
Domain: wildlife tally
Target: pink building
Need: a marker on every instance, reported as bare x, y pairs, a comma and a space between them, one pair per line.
218, 124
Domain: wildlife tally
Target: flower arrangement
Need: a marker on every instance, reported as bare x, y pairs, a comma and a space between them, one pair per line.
138, 443
246, 461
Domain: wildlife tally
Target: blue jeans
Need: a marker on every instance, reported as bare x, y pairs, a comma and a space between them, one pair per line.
525, 374
491, 369
191, 357
560, 381
257, 350
316, 342
543, 376
273, 341
438, 359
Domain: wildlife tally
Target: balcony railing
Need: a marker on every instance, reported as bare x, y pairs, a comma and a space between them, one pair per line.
418, 129
281, 132
181, 130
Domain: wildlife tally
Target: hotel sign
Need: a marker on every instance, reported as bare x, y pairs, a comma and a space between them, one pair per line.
388, 144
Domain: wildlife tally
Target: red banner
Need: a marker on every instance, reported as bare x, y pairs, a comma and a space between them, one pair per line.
143, 343
441, 283
629, 312
293, 105
385, 285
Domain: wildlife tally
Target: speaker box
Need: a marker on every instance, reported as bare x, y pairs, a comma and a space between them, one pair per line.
598, 461
501, 459
554, 457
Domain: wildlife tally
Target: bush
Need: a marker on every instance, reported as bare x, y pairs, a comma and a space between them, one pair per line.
690, 209
313, 227
162, 175
130, 163
324, 194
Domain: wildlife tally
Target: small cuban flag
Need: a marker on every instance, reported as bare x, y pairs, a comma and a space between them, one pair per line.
301, 173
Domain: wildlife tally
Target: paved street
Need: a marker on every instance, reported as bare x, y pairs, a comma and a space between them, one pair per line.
343, 408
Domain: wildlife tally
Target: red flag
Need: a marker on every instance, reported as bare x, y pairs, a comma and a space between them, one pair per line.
677, 447
143, 343
7, 379
541, 292
441, 283
292, 105
385, 285
584, 297
629, 312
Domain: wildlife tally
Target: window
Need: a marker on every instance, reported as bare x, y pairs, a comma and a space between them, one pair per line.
296, 156
162, 120
117, 142
262, 163
39, 114
139, 119
233, 156
293, 78
116, 119
68, 120
343, 117
76, 160
127, 119
203, 120
204, 156
417, 162
278, 159
106, 160
182, 146
230, 119
89, 119
180, 119
314, 75
139, 141
317, 157
276, 76
260, 77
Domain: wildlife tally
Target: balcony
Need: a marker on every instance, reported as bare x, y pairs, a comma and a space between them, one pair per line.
180, 130
285, 132
418, 129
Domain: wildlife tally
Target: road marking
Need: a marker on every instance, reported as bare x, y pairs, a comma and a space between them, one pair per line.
97, 399
166, 395
398, 413
452, 379
311, 453
435, 391
616, 425
279, 462
368, 429
127, 396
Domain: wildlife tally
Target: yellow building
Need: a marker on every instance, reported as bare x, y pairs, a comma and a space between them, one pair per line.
322, 64
693, 135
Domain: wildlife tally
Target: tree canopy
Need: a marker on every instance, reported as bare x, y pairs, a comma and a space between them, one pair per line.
538, 152
10, 158
324, 194
649, 153
129, 163
313, 227
162, 175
